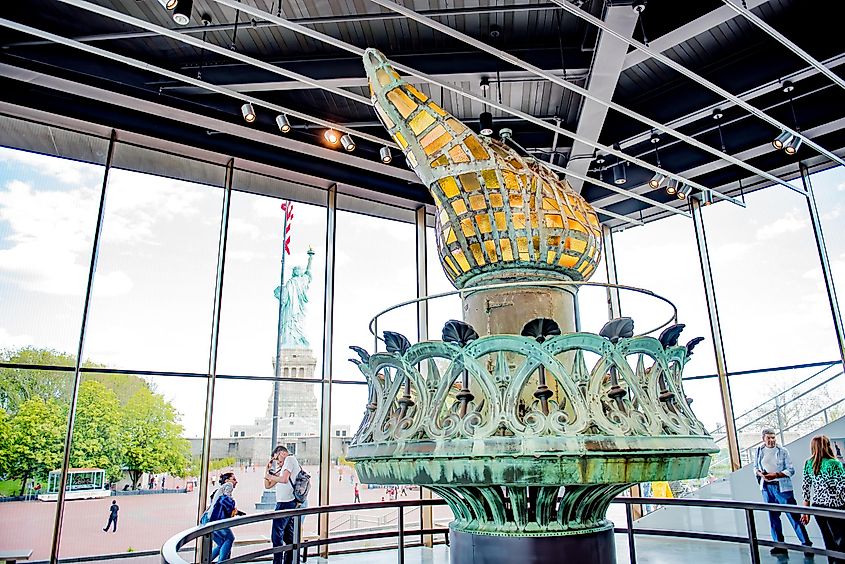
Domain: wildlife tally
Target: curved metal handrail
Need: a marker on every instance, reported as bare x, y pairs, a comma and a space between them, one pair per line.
553, 283
170, 549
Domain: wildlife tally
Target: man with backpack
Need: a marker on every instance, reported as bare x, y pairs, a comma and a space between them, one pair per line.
291, 484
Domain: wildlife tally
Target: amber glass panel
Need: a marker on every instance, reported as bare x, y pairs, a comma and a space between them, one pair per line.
496, 200
458, 155
459, 206
456, 126
477, 254
438, 143
476, 149
402, 101
449, 186
419, 95
507, 252
421, 121
477, 202
483, 223
462, 260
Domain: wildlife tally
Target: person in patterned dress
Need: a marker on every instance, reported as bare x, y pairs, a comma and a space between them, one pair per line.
824, 486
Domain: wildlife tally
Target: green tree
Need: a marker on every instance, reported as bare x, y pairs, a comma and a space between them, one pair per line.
18, 385
5, 434
35, 440
153, 437
97, 434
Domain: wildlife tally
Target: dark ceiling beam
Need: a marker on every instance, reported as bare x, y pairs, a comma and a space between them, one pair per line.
686, 32
147, 117
349, 18
748, 154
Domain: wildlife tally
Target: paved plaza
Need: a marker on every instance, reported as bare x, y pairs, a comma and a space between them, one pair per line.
146, 521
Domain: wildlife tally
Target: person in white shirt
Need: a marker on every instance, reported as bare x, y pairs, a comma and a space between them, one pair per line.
281, 472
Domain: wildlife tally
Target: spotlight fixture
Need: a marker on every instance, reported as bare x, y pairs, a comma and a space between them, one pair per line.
654, 139
505, 133
705, 197
182, 11
781, 140
385, 155
347, 142
619, 174
792, 145
684, 190
672, 187
787, 86
656, 180
331, 136
248, 112
283, 123
485, 124
638, 6
168, 4
485, 86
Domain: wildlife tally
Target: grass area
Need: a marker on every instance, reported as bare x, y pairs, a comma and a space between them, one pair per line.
13, 487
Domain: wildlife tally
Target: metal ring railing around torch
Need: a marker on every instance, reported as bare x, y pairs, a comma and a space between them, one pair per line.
373, 325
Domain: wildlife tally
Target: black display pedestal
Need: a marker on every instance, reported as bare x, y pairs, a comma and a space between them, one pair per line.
591, 548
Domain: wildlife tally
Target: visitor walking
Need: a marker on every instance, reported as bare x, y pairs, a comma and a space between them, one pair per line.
357, 493
162, 481
113, 509
280, 473
824, 486
223, 506
774, 471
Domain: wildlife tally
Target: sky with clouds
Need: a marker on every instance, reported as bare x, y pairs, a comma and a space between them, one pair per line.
152, 303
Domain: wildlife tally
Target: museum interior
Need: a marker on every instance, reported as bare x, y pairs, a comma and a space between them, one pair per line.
506, 279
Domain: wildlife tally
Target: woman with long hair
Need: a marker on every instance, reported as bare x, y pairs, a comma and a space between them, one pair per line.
824, 486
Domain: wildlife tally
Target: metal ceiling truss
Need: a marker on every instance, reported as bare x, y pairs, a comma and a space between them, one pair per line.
589, 18
192, 81
507, 57
355, 50
772, 32
489, 102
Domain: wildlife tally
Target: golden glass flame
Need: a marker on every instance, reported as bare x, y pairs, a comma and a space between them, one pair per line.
496, 209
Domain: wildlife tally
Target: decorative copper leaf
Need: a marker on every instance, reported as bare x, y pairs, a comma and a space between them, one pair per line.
459, 333
541, 329
669, 336
615, 329
691, 345
364, 355
396, 342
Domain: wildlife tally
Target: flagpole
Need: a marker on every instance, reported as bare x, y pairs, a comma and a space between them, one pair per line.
278, 365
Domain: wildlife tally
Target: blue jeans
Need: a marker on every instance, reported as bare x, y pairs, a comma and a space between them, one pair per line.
282, 533
772, 494
223, 540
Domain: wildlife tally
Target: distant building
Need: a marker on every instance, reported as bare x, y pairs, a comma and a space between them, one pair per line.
298, 421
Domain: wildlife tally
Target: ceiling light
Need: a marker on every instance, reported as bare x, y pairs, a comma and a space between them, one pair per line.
283, 123
248, 112
485, 123
385, 155
684, 190
485, 86
781, 140
619, 174
656, 180
347, 142
182, 11
671, 186
168, 4
654, 139
792, 145
331, 136
706, 197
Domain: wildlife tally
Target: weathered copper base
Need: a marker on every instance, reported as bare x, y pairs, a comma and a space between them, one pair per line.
592, 548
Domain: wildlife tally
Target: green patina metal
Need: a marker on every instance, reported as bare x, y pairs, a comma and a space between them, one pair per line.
522, 435
500, 464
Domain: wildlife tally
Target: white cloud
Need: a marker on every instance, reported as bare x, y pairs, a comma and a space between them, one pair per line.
242, 227
841, 187
792, 221
243, 256
10, 341
63, 170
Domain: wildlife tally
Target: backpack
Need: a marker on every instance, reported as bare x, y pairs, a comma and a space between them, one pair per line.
301, 486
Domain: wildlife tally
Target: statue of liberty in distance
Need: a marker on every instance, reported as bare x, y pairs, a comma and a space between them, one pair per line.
294, 298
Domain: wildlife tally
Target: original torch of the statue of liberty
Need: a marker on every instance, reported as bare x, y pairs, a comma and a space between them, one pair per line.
294, 298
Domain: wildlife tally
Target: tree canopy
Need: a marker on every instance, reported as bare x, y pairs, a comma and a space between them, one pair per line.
121, 423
